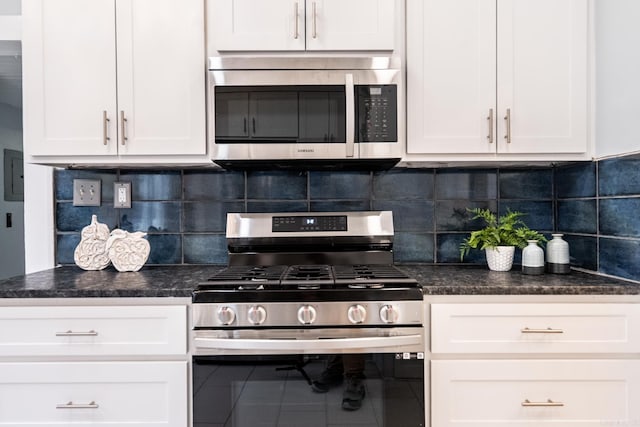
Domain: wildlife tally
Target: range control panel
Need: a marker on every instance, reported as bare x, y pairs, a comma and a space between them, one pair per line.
308, 223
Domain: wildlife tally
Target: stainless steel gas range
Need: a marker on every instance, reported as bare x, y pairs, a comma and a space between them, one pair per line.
311, 319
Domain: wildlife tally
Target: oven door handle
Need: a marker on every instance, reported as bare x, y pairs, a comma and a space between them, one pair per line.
312, 344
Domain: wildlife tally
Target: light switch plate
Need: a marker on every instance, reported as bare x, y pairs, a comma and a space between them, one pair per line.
86, 192
122, 195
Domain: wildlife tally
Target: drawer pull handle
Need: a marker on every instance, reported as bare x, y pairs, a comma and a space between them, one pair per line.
71, 405
70, 333
541, 331
549, 402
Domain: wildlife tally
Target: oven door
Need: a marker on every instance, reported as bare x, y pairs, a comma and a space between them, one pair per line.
278, 390
247, 378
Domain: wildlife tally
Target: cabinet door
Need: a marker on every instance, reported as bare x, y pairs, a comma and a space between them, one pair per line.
84, 394
258, 25
69, 77
450, 76
523, 393
161, 80
542, 75
350, 25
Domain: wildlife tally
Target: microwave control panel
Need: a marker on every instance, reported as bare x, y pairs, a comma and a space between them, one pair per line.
377, 113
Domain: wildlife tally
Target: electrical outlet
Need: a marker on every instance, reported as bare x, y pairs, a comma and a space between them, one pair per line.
122, 195
86, 192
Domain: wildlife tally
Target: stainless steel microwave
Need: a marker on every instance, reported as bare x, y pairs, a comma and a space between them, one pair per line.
306, 112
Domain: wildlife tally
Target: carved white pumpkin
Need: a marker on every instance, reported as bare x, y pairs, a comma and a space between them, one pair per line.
91, 252
128, 251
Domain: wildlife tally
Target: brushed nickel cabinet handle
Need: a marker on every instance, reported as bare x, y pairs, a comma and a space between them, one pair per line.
490, 120
315, 26
123, 127
541, 331
295, 17
507, 119
105, 128
70, 333
549, 402
71, 405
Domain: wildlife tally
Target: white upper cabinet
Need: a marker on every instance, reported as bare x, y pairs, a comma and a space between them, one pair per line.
498, 77
69, 77
114, 78
298, 25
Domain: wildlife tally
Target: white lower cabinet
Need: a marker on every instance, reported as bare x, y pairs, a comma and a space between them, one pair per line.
93, 331
144, 394
94, 364
552, 393
526, 364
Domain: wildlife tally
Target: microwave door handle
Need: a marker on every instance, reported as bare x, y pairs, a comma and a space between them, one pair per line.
350, 114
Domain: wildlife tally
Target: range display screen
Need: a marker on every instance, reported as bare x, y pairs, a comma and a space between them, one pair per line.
308, 223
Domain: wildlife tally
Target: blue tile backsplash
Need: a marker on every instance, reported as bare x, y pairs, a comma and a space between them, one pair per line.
595, 204
597, 210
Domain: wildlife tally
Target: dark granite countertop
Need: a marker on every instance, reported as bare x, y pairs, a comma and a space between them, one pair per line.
73, 282
179, 281
478, 280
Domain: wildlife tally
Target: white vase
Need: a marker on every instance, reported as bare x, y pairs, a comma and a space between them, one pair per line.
558, 255
532, 258
500, 258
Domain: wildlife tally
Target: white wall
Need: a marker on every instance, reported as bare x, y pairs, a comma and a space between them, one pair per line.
617, 32
11, 239
29, 245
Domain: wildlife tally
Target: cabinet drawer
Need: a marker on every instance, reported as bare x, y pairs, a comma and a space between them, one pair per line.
518, 393
535, 328
92, 331
109, 394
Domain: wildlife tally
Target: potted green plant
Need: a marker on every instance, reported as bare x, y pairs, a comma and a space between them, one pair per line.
499, 237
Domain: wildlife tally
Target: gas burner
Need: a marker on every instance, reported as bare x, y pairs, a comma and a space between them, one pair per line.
367, 276
308, 272
376, 285
308, 277
250, 273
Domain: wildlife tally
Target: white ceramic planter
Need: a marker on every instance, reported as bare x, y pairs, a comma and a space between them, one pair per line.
500, 258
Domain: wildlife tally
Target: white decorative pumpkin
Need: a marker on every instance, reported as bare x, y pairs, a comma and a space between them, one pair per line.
128, 251
91, 253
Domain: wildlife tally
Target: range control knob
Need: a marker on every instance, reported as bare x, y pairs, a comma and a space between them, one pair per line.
257, 315
306, 314
356, 314
226, 315
388, 314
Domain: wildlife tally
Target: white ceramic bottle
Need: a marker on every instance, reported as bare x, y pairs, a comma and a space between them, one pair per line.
558, 255
532, 258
